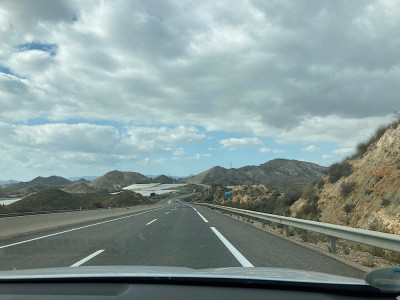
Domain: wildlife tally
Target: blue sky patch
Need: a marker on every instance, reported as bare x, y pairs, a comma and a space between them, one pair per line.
50, 48
6, 70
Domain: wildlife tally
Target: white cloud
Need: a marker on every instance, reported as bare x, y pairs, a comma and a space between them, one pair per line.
161, 74
265, 149
325, 156
194, 157
233, 143
171, 67
343, 150
179, 151
311, 148
158, 161
278, 151
57, 147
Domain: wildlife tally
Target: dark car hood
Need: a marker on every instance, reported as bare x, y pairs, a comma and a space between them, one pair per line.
276, 274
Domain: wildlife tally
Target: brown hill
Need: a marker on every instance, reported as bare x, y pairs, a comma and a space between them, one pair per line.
55, 199
21, 189
164, 180
364, 190
81, 186
115, 180
281, 174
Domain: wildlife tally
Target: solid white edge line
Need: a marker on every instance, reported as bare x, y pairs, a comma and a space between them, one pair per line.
241, 259
192, 207
73, 229
204, 219
151, 222
82, 261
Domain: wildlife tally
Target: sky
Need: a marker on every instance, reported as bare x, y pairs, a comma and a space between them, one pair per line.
177, 87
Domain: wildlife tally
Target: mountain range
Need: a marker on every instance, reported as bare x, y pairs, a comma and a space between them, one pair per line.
280, 174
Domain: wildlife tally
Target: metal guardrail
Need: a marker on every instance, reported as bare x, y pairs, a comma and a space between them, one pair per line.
363, 236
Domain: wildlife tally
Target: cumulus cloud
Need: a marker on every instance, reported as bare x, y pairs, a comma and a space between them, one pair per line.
179, 151
182, 60
311, 148
233, 143
343, 150
267, 150
35, 148
292, 71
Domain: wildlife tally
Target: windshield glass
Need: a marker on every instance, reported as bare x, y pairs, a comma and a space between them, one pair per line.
123, 124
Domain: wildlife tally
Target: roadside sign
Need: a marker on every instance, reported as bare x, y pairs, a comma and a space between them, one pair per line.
227, 195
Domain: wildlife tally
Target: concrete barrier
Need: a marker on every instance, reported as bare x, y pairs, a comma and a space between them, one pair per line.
14, 226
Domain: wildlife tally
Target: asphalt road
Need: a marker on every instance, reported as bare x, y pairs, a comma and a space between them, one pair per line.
178, 235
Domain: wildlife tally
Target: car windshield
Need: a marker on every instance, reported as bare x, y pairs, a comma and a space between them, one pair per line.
200, 134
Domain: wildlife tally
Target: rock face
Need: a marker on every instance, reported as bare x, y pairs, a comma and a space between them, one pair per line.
281, 174
368, 198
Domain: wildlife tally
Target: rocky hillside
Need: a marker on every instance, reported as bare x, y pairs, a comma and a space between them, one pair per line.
81, 186
253, 197
281, 174
364, 190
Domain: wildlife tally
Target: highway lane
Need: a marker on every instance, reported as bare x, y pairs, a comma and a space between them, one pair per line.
178, 235
263, 249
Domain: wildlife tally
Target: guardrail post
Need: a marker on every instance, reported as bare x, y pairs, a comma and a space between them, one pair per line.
333, 244
287, 230
248, 219
263, 223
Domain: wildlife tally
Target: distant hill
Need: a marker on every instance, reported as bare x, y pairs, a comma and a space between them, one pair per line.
81, 186
7, 181
115, 180
280, 174
35, 185
164, 179
88, 178
169, 176
55, 199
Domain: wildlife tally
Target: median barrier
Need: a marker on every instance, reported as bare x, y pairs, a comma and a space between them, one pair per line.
14, 226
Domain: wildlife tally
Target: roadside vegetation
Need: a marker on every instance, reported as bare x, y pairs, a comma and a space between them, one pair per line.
362, 147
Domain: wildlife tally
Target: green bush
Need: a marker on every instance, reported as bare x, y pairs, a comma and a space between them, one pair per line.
346, 188
348, 208
310, 193
291, 196
309, 211
339, 170
320, 182
385, 202
361, 148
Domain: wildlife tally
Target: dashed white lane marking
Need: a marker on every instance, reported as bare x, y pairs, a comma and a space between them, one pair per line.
73, 229
241, 259
204, 219
82, 261
151, 222
167, 213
